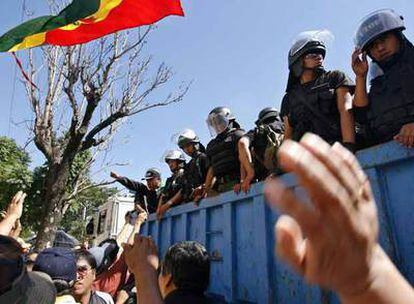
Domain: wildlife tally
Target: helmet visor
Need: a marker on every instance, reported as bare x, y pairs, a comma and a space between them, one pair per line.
323, 36
217, 123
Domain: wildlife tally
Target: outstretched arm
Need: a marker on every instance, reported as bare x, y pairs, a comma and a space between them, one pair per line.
126, 182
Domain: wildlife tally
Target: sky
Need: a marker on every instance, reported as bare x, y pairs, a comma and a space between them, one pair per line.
234, 51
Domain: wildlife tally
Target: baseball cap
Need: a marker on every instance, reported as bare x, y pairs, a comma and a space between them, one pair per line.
105, 254
152, 173
58, 263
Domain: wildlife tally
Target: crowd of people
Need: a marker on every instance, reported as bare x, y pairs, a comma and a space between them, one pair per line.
332, 243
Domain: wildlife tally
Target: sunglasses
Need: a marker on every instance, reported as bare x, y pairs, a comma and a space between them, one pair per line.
313, 56
83, 270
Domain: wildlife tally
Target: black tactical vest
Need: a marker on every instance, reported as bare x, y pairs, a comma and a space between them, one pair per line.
173, 184
195, 171
223, 155
391, 98
320, 115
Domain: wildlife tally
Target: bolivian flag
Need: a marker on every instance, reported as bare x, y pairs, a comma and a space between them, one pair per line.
86, 20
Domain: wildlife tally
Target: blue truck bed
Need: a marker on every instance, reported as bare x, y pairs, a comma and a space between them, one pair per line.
237, 230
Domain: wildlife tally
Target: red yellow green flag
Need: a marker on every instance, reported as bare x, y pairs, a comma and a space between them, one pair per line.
86, 20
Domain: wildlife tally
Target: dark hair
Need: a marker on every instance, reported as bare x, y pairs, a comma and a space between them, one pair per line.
87, 256
189, 265
62, 287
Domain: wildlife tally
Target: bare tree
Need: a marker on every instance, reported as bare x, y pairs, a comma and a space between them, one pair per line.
85, 93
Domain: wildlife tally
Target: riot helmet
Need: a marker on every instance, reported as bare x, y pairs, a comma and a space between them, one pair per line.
174, 155
219, 120
306, 43
376, 24
186, 137
266, 114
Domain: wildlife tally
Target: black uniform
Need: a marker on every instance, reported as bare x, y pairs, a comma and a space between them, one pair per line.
391, 98
173, 184
258, 138
147, 199
223, 156
312, 107
195, 174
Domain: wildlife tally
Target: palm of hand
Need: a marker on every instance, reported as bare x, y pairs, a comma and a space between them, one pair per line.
332, 241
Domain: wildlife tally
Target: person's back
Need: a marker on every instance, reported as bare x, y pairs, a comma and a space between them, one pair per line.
265, 140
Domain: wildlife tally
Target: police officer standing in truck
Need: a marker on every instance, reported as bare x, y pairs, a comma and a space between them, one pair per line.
222, 152
146, 196
317, 100
388, 108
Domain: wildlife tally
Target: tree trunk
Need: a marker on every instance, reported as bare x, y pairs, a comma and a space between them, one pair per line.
52, 195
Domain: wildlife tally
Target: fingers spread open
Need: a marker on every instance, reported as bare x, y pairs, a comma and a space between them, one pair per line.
327, 193
285, 199
290, 244
336, 165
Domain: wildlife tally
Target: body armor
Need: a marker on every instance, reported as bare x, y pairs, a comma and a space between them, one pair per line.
173, 184
391, 98
223, 154
320, 115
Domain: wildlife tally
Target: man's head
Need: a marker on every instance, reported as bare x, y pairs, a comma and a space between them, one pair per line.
175, 160
105, 254
60, 265
219, 120
385, 46
153, 178
86, 273
188, 141
308, 51
268, 115
380, 34
186, 265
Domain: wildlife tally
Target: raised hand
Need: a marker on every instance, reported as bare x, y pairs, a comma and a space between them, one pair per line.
360, 63
15, 208
333, 241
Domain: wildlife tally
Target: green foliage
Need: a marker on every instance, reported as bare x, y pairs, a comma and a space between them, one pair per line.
73, 221
14, 170
15, 175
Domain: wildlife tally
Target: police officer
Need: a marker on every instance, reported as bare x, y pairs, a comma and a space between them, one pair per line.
317, 100
222, 151
388, 107
258, 148
171, 192
146, 196
197, 167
